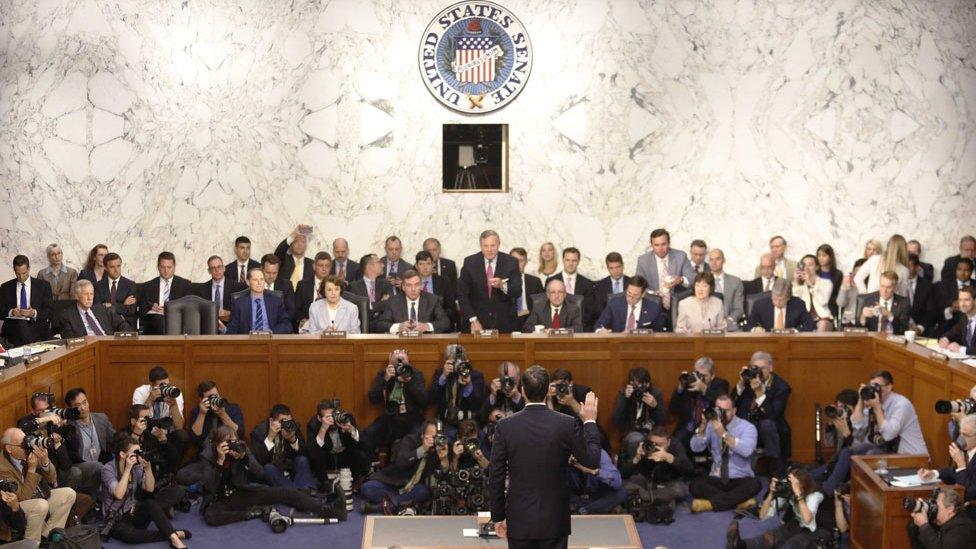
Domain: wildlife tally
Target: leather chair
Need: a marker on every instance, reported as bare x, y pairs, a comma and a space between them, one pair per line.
362, 303
858, 307
191, 315
60, 306
751, 300
541, 298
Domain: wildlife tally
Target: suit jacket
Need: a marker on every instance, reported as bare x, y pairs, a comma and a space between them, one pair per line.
179, 287
404, 463
949, 268
582, 286
531, 448
352, 270
72, 325
569, 317
274, 307
691, 320
402, 267
678, 265
429, 310
21, 332
498, 310
614, 315
383, 289
596, 300
105, 431
788, 264
265, 456
958, 531
347, 318
900, 308
797, 316
773, 406
231, 271
61, 289
957, 334
754, 286
28, 484
287, 295
682, 404
966, 477
231, 286
124, 289
928, 271
925, 310
305, 296
446, 289
448, 269
288, 263
733, 299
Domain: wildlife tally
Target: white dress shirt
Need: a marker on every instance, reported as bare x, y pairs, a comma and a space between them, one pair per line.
26, 285
163, 284
213, 291
426, 326
84, 322
141, 393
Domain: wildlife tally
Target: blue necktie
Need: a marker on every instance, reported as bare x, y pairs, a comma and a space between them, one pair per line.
413, 312
217, 299
616, 286
23, 295
969, 335
259, 323
92, 325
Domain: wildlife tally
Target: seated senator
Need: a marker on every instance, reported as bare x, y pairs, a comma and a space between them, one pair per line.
258, 309
631, 311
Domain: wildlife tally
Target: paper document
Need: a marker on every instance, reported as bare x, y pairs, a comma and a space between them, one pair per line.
17, 318
909, 481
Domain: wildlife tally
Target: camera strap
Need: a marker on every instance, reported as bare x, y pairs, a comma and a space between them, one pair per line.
417, 475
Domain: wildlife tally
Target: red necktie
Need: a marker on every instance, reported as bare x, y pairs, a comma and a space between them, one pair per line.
342, 270
631, 320
489, 274
555, 319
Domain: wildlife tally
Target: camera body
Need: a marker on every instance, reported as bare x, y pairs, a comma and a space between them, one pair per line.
403, 369
289, 425
460, 492
237, 445
687, 379
164, 423
752, 372
508, 384
832, 411
783, 489
562, 389
341, 417
8, 486
217, 401
640, 389
870, 391
963, 405
919, 505
711, 414
66, 413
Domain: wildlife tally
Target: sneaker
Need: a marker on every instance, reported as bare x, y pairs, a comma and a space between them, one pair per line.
338, 509
700, 506
407, 512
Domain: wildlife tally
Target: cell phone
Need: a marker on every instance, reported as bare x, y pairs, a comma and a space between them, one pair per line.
305, 229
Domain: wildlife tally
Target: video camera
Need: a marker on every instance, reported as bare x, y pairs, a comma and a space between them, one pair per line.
963, 405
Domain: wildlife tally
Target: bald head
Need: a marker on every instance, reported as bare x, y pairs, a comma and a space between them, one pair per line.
716, 260
766, 265
340, 249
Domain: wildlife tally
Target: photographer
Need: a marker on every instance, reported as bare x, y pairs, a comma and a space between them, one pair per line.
888, 418
696, 392
230, 493
594, 491
505, 391
487, 433
466, 450
399, 388
153, 439
278, 446
566, 397
799, 499
88, 445
840, 435
657, 474
760, 398
27, 464
13, 521
731, 441
335, 442
403, 483
42, 422
956, 416
962, 470
214, 411
165, 401
130, 499
639, 408
458, 389
949, 528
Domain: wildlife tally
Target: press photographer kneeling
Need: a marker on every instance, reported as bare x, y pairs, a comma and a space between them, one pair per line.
799, 500
457, 391
941, 522
639, 408
656, 477
278, 446
334, 442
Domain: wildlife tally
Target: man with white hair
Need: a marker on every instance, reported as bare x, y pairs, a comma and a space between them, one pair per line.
780, 311
962, 454
60, 276
84, 319
31, 469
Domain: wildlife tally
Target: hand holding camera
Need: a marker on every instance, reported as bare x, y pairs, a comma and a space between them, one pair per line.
628, 390
8, 493
274, 427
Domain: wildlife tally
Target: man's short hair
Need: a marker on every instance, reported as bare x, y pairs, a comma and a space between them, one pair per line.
781, 287
205, 386
422, 255
965, 261
270, 259
111, 256
392, 238
157, 373
241, 240
452, 349
562, 374
639, 281
487, 233
253, 270
968, 290
72, 394
762, 355
551, 280
431, 239
777, 237
535, 383
885, 375
163, 256
572, 250
967, 238
659, 431
79, 284
848, 397
952, 498
699, 243
136, 409
21, 260
706, 362
614, 257
410, 273
520, 251
322, 256
656, 233
279, 410
209, 259
890, 275
51, 247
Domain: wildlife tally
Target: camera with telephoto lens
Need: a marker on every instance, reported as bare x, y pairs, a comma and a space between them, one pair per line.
870, 391
341, 417
8, 486
783, 488
835, 412
289, 425
403, 369
164, 423
562, 389
471, 445
278, 522
649, 447
32, 442
508, 384
168, 391
440, 440
236, 445
959, 406
919, 505
461, 366
751, 372
66, 413
687, 379
147, 455
216, 401
711, 414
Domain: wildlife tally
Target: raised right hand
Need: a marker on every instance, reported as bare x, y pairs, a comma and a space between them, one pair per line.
588, 410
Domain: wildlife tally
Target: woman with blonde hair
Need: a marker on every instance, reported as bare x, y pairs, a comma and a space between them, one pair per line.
548, 263
873, 247
894, 258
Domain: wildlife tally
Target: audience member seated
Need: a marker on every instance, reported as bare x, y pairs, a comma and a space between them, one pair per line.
59, 276
489, 287
435, 284
962, 462
398, 389
765, 276
131, 501
926, 270
838, 434
504, 392
94, 269
333, 313
258, 310
457, 390
403, 483
371, 286
884, 310
779, 311
959, 338
967, 250
631, 311
731, 288
638, 409
295, 267
393, 265
118, 292
888, 418
951, 529
342, 266
309, 289
160, 290
237, 269
555, 312
334, 442
595, 491
701, 310
531, 284
815, 292
894, 258
278, 446
947, 295
274, 282
663, 268
799, 515
827, 270
760, 398
220, 290
615, 283
657, 474
230, 490
575, 283
28, 305
731, 441
90, 445
696, 392
45, 506
86, 319
213, 411
412, 309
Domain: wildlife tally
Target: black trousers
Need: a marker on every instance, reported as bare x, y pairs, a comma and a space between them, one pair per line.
387, 429
724, 496
552, 543
355, 459
235, 508
131, 528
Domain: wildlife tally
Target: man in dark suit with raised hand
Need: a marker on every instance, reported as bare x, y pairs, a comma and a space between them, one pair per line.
258, 309
489, 286
117, 292
631, 311
30, 301
531, 449
295, 266
885, 309
413, 309
84, 319
160, 290
780, 311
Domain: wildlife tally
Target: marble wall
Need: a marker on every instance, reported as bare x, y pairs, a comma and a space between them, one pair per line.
155, 125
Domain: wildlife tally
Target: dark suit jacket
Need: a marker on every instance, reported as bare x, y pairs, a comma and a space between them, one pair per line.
925, 310
446, 289
596, 300
352, 270
754, 286
532, 448
72, 325
383, 289
448, 269
287, 295
178, 288
231, 270
405, 463
966, 477
583, 284
231, 286
773, 406
900, 308
928, 271
569, 317
123, 290
402, 267
958, 531
947, 291
105, 434
265, 456
682, 404
495, 312
21, 332
428, 310
304, 297
614, 315
288, 263
949, 268
797, 316
533, 285
957, 334
240, 315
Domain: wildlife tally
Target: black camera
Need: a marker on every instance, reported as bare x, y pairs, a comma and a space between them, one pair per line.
403, 369
471, 445
148, 456
66, 413
168, 391
490, 430
32, 442
562, 389
959, 406
236, 445
783, 489
164, 423
341, 417
508, 384
640, 389
648, 447
687, 379
835, 412
440, 440
751, 372
870, 391
289, 425
919, 505
8, 485
461, 366
217, 401
710, 414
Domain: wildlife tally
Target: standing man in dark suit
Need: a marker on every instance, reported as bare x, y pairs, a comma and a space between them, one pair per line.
780, 311
371, 286
926, 270
237, 270
948, 294
613, 284
117, 292
884, 310
442, 265
413, 309
631, 311
438, 285
489, 287
961, 337
258, 309
531, 284
273, 281
291, 251
576, 284
697, 256
967, 250
530, 450
84, 319
160, 290
307, 291
546, 313
28, 300
760, 398
393, 265
767, 275
342, 266
921, 296
219, 289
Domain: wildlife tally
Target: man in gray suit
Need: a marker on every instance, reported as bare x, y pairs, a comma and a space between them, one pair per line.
546, 312
662, 259
730, 287
90, 444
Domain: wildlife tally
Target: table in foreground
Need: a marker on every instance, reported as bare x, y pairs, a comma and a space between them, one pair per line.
607, 531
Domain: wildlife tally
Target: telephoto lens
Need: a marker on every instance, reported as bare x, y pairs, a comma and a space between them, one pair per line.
217, 401
32, 442
961, 406
66, 413
168, 391
289, 425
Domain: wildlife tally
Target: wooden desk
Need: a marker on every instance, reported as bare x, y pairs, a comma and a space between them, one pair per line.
878, 518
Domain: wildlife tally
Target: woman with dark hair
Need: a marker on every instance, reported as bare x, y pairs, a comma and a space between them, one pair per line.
701, 311
130, 500
94, 266
827, 268
814, 291
332, 313
798, 498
